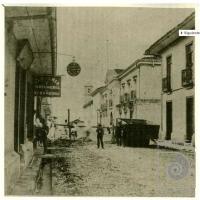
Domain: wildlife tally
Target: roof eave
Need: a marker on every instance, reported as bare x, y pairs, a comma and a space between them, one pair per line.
171, 36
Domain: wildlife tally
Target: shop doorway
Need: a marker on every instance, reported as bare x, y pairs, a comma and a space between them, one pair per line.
168, 120
189, 118
19, 122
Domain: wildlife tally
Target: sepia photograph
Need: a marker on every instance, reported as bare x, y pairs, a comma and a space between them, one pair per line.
99, 101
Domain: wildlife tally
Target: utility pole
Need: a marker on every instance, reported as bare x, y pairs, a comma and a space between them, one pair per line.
69, 125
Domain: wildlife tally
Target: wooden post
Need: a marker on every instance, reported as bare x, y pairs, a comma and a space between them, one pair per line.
69, 126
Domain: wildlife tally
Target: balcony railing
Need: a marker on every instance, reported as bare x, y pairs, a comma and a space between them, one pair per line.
166, 84
187, 77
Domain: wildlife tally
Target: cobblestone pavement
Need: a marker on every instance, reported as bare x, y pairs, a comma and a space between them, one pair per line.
118, 171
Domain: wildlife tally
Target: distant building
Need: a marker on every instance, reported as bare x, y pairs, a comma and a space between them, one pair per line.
110, 98
140, 90
97, 100
177, 95
87, 91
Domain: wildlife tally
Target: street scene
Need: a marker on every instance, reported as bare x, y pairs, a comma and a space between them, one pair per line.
99, 101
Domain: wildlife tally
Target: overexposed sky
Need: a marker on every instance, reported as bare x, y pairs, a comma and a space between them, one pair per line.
102, 38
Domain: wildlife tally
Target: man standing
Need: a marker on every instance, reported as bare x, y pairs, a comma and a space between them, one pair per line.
100, 133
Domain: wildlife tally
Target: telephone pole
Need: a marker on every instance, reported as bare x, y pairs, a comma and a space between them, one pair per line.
69, 125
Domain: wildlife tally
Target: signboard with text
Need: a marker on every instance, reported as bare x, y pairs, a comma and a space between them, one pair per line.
47, 86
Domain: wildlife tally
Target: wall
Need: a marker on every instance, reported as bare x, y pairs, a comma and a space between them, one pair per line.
149, 111
12, 159
150, 82
179, 94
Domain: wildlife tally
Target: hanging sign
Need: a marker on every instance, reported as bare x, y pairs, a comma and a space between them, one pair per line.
73, 69
47, 86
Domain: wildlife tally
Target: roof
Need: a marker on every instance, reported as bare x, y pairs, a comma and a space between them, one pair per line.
112, 74
97, 90
135, 64
171, 36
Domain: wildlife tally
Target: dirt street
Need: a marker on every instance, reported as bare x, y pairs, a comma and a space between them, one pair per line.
119, 171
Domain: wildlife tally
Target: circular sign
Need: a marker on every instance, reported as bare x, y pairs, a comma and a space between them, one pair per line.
73, 69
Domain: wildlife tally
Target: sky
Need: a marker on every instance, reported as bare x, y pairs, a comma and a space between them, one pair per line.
103, 38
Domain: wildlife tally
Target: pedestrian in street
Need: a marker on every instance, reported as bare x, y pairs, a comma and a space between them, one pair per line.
119, 134
100, 133
123, 136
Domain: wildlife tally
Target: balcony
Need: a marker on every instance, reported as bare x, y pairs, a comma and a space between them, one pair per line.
166, 84
133, 95
187, 77
126, 97
104, 107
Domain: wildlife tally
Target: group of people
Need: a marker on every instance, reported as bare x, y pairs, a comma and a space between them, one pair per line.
43, 130
120, 135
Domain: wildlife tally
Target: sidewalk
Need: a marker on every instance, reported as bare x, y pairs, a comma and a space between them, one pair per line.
25, 185
170, 145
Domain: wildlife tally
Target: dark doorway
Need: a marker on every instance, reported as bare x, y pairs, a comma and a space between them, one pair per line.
19, 122
30, 110
168, 120
189, 118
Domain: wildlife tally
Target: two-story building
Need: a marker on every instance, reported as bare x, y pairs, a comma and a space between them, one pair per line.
140, 90
177, 97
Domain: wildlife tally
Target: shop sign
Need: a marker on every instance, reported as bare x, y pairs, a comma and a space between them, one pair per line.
47, 86
73, 69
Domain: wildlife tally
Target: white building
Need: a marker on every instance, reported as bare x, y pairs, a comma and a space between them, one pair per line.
140, 90
110, 98
177, 95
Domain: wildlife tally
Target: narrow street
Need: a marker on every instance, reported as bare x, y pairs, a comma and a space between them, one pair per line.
119, 171
82, 77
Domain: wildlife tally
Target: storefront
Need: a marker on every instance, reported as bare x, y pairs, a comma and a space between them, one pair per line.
29, 53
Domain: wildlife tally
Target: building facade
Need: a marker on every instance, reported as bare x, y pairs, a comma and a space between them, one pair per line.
110, 98
25, 44
177, 95
140, 90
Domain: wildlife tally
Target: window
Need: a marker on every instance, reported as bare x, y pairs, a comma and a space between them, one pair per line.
135, 79
133, 94
189, 55
89, 90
